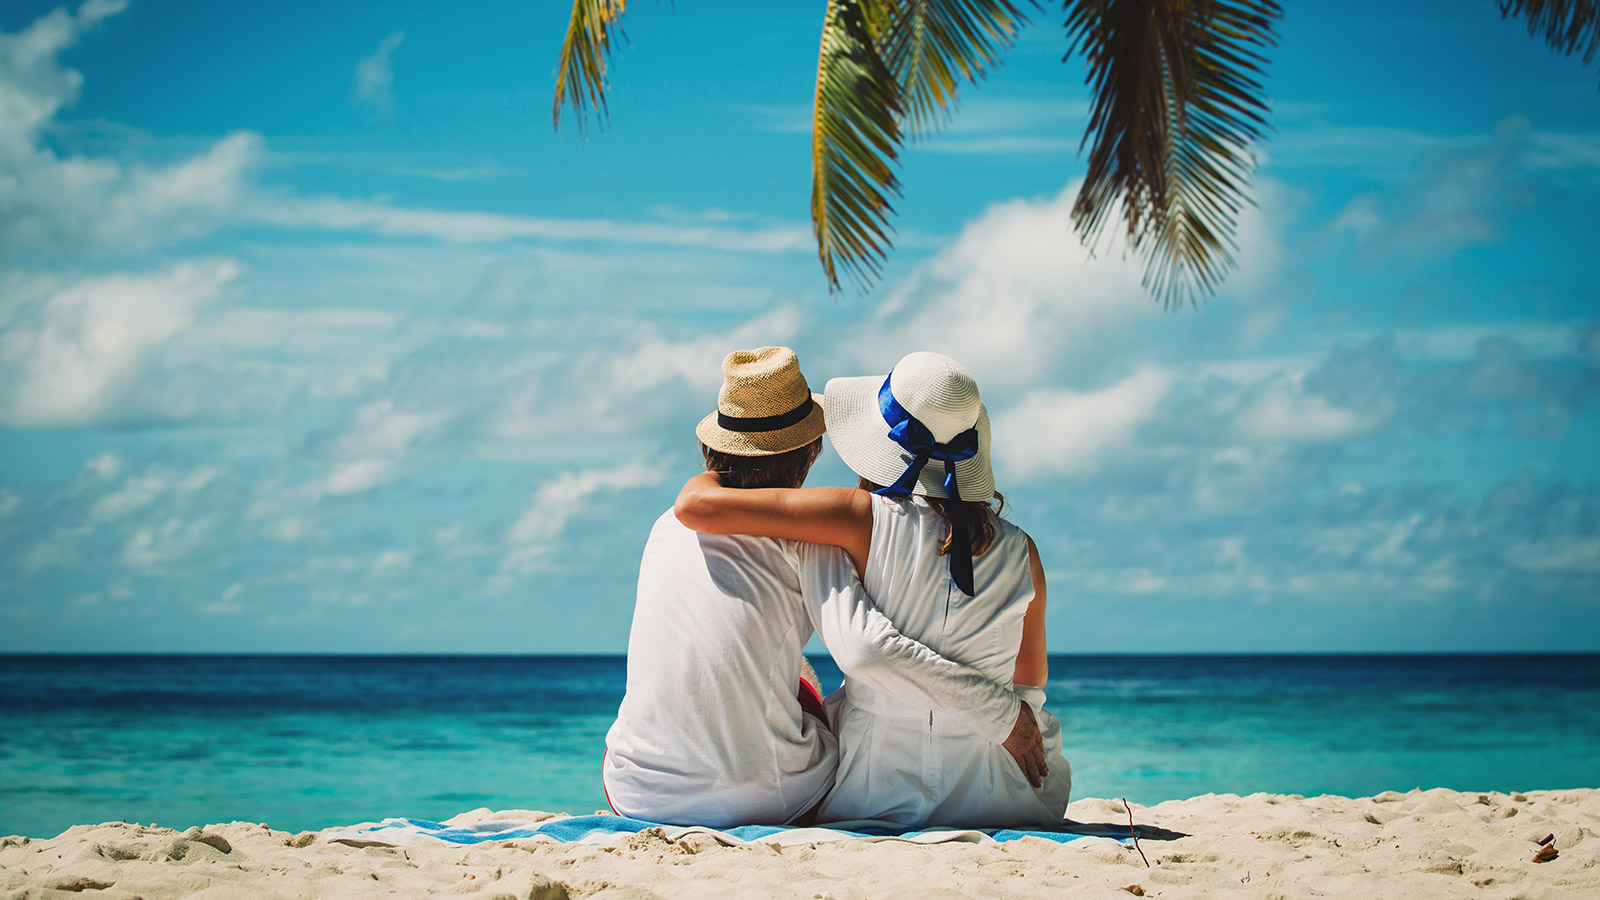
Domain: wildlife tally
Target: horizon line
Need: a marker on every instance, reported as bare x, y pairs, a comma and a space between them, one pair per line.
306, 654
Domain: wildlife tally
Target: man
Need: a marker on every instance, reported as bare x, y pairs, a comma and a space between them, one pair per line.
717, 727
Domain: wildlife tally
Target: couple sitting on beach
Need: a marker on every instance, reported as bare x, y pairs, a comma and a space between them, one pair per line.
931, 604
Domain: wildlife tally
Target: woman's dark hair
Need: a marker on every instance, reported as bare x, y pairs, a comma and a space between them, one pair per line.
980, 518
782, 470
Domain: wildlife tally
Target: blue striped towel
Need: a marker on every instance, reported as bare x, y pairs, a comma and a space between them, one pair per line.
481, 826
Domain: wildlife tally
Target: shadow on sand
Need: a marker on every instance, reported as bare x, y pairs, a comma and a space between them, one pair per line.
1120, 830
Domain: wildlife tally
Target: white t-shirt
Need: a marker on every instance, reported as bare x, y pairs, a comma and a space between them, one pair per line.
908, 761
710, 731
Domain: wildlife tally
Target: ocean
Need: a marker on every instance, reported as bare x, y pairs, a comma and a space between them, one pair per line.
308, 742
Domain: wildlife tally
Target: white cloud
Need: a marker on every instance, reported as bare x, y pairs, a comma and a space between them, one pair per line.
150, 518
287, 528
105, 465
605, 382
33, 84
1385, 151
591, 394
292, 512
140, 491
155, 546
467, 227
531, 538
135, 493
1138, 581
156, 347
357, 476
1564, 152
259, 358
1569, 554
227, 604
10, 501
391, 562
990, 114
1282, 411
98, 203
190, 197
198, 479
457, 541
548, 509
1463, 342
375, 73
381, 429
1373, 147
1359, 217
1392, 550
985, 125
1465, 193
161, 347
1069, 432
73, 364
1021, 302
55, 550
52, 201
698, 361
347, 598
1015, 297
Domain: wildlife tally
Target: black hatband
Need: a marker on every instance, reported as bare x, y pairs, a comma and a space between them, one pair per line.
767, 423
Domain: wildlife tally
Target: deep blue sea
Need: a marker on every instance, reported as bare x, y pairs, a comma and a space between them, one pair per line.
308, 742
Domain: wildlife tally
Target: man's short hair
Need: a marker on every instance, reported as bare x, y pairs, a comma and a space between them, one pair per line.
781, 470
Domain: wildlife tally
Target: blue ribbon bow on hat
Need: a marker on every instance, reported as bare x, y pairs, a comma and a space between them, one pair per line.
908, 432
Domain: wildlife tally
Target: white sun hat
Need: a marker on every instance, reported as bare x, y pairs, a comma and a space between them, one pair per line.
765, 406
937, 392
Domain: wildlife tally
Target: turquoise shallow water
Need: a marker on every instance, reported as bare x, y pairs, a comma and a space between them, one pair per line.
308, 742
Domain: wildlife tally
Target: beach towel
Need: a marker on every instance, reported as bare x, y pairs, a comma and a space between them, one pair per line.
483, 826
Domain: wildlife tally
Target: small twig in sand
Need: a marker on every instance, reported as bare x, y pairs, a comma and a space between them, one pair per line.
1134, 833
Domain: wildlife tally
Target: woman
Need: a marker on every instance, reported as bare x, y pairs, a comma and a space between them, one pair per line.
944, 567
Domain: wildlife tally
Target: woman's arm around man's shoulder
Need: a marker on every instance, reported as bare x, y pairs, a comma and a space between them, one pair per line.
822, 515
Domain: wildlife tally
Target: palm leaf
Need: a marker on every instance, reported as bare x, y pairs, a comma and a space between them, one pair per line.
581, 71
855, 142
932, 45
1177, 106
1568, 26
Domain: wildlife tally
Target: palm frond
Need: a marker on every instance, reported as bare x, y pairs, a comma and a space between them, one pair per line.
1177, 105
1568, 26
855, 142
581, 71
932, 45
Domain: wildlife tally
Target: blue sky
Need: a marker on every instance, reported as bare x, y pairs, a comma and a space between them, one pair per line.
315, 336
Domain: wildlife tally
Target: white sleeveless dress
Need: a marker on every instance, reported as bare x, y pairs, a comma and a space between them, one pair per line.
906, 763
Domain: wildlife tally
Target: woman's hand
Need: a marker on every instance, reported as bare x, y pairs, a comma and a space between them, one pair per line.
1026, 746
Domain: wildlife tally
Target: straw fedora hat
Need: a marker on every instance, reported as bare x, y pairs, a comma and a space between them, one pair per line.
935, 389
765, 406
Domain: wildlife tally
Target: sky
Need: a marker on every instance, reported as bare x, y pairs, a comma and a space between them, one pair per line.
316, 336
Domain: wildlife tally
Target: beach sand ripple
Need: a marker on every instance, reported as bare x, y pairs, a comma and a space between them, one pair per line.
1423, 844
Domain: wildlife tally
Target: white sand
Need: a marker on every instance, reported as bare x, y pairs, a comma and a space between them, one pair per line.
1423, 844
